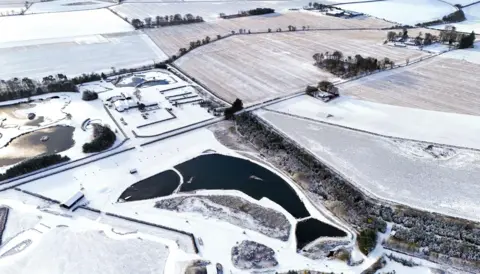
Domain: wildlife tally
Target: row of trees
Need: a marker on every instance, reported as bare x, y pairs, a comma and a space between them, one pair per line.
347, 67
17, 89
402, 36
103, 138
167, 20
454, 17
257, 11
33, 164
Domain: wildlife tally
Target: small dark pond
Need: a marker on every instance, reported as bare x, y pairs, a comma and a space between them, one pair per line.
153, 83
158, 185
311, 229
55, 139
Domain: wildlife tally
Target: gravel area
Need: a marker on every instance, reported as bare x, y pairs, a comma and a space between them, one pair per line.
252, 255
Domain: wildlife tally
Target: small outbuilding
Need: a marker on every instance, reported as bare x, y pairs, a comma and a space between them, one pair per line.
72, 200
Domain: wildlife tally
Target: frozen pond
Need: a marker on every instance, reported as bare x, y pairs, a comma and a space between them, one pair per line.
393, 170
35, 143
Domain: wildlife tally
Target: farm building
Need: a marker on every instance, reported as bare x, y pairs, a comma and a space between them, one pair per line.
72, 200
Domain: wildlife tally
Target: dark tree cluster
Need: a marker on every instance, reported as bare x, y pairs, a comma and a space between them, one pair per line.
103, 138
467, 41
26, 87
33, 164
319, 6
367, 239
454, 17
236, 106
89, 95
85, 78
252, 12
167, 20
420, 39
336, 64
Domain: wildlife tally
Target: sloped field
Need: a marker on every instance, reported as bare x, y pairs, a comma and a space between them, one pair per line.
171, 39
440, 84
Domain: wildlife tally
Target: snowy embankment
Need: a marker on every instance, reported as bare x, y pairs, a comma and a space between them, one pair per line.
409, 123
235, 210
409, 12
391, 170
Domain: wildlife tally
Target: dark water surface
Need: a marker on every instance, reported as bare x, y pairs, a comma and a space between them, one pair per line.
158, 185
60, 138
216, 171
312, 229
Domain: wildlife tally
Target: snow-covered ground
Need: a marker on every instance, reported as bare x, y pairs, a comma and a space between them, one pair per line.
11, 10
63, 24
472, 13
61, 243
392, 170
76, 55
471, 55
408, 12
410, 123
208, 10
67, 5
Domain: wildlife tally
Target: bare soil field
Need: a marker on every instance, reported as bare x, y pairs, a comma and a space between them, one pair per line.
440, 84
258, 67
171, 39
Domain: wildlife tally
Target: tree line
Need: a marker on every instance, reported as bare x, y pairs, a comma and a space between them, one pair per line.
340, 66
420, 39
454, 17
451, 36
33, 164
252, 12
167, 20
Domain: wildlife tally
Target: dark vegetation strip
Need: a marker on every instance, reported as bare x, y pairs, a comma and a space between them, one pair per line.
33, 164
4, 211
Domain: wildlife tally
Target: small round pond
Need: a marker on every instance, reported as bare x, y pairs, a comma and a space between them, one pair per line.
35, 143
311, 229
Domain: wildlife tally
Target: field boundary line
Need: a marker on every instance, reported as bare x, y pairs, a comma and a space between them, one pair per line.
370, 132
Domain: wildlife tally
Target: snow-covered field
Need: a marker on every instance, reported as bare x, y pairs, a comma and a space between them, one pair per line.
85, 54
260, 67
207, 10
58, 243
67, 5
410, 123
408, 12
171, 39
472, 13
439, 84
392, 170
58, 25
